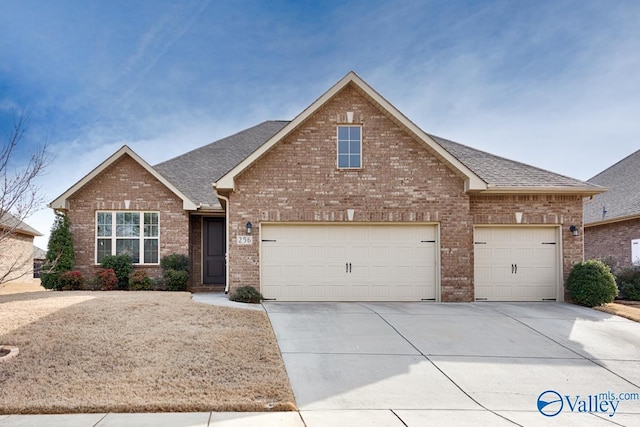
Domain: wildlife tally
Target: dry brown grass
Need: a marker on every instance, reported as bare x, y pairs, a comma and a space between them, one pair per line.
136, 352
627, 309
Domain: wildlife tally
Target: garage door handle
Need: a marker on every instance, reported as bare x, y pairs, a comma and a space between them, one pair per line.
514, 268
347, 267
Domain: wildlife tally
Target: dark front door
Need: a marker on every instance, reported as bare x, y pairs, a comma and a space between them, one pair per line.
214, 251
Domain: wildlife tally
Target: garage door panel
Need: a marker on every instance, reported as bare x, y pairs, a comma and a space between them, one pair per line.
516, 263
358, 262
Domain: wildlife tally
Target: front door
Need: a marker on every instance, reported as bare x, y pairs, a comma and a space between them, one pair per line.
214, 252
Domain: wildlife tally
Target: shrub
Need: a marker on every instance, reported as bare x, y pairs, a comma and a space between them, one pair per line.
139, 281
60, 255
106, 279
71, 280
175, 268
177, 262
628, 280
247, 294
176, 280
591, 283
121, 265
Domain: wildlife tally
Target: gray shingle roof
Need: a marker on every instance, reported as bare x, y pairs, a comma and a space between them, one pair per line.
623, 198
500, 172
10, 222
194, 172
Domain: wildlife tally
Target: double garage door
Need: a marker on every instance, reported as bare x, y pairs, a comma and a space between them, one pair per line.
516, 263
304, 262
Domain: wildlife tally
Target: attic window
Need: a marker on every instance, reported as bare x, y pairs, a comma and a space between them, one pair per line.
349, 147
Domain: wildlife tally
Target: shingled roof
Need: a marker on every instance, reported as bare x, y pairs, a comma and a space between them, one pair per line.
499, 172
622, 200
11, 223
194, 172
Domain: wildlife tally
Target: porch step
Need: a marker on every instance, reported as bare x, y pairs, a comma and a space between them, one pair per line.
207, 288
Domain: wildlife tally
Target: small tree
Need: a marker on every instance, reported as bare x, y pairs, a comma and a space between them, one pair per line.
19, 196
60, 255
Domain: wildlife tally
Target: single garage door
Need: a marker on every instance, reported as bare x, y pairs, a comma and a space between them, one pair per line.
516, 263
327, 262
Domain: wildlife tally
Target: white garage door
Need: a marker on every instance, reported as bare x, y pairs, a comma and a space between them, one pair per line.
516, 263
305, 262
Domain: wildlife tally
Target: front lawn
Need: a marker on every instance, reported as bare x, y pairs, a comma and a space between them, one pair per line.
136, 352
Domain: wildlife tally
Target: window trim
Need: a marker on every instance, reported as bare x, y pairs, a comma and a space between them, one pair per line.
141, 238
348, 125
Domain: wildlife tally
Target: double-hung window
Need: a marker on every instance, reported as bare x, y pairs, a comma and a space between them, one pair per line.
349, 147
128, 233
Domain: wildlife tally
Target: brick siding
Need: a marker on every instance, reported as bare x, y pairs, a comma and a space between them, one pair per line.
400, 181
612, 240
16, 256
297, 180
124, 180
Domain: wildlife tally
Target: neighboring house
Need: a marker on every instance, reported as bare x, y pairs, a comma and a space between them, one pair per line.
16, 248
612, 219
348, 201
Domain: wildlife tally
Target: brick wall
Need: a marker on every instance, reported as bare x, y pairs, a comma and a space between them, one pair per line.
297, 180
124, 180
564, 210
613, 240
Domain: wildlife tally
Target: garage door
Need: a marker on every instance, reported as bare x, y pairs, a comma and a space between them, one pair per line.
305, 262
516, 263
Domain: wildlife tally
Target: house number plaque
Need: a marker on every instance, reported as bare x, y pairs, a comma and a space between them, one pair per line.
244, 240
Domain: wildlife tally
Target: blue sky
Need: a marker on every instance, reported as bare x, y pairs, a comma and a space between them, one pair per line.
551, 83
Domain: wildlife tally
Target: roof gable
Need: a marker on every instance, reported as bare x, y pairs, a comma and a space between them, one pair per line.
472, 181
622, 200
61, 201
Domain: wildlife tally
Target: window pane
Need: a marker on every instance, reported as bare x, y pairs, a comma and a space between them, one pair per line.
129, 247
343, 161
354, 147
355, 161
150, 224
127, 224
354, 133
343, 147
151, 251
104, 249
343, 132
104, 224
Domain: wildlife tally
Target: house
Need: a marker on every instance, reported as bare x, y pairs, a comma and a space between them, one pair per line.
39, 258
612, 219
348, 201
16, 248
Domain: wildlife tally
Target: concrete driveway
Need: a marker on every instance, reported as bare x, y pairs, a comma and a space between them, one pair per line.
416, 364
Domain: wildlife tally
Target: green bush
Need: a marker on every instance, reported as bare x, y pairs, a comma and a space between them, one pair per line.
71, 280
121, 265
176, 280
140, 281
177, 262
590, 283
628, 280
247, 294
106, 279
60, 255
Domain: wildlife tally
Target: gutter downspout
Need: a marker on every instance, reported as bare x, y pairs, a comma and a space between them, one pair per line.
226, 240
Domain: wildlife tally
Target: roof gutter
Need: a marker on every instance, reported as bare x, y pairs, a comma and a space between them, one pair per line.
582, 191
226, 240
612, 220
